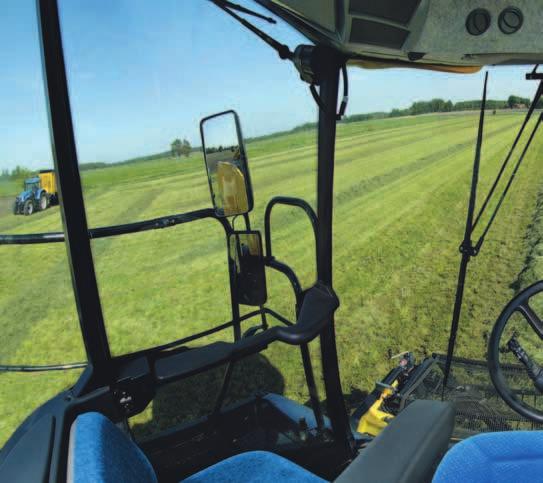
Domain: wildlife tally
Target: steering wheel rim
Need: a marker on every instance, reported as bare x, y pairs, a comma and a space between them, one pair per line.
496, 374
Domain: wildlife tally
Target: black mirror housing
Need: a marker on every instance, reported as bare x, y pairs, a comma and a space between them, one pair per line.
226, 164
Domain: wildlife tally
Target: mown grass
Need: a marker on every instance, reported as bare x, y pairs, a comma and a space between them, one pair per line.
401, 194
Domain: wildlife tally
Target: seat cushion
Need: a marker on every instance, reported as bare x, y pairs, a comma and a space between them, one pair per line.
253, 467
99, 452
505, 457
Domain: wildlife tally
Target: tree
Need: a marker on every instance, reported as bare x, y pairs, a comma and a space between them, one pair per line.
186, 148
177, 148
180, 148
437, 105
515, 101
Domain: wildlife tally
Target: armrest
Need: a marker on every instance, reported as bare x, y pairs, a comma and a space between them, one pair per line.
408, 449
319, 304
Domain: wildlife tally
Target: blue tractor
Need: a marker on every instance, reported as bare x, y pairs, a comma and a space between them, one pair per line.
38, 194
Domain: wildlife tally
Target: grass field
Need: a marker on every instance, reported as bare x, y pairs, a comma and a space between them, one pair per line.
401, 194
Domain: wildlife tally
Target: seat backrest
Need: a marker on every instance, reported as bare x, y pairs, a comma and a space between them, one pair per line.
99, 452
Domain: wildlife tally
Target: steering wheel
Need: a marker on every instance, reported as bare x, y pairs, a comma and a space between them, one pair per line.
521, 305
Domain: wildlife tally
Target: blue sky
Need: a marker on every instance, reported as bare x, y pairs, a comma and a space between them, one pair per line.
142, 73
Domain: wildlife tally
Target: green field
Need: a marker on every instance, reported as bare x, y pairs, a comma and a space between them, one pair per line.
401, 195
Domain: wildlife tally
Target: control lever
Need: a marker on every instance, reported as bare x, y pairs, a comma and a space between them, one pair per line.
535, 371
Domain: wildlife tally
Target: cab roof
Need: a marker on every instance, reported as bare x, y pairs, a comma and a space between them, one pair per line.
450, 35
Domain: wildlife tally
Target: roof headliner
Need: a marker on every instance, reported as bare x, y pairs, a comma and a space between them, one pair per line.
427, 34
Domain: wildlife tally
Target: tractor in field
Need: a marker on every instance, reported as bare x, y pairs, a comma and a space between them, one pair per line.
39, 192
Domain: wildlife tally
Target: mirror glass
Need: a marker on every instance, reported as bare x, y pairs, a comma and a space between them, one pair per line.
226, 164
245, 252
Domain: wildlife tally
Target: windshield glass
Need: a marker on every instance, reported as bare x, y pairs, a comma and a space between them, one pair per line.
141, 77
31, 185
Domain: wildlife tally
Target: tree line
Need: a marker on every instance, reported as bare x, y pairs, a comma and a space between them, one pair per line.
183, 147
416, 108
18, 173
442, 105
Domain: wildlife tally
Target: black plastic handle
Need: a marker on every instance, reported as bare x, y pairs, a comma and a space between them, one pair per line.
319, 304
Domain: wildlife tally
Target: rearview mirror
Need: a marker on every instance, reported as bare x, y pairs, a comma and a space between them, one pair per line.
226, 164
245, 253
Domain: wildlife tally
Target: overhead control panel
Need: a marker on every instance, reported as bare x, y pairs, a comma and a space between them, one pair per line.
451, 32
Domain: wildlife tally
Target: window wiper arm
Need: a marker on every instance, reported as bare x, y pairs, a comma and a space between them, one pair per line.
230, 8
240, 8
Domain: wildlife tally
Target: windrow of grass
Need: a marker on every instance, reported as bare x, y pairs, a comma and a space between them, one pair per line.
533, 265
400, 198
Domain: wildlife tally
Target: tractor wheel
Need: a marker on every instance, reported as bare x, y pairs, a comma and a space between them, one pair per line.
15, 208
28, 207
44, 202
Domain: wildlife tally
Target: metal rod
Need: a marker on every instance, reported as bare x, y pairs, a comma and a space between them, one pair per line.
509, 183
533, 106
282, 50
214, 416
263, 318
116, 230
466, 247
72, 206
288, 272
288, 201
45, 368
176, 344
325, 197
456, 315
232, 281
240, 8
278, 316
312, 386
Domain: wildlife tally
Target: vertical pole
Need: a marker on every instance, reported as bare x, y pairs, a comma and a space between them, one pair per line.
325, 195
72, 207
231, 278
467, 247
311, 386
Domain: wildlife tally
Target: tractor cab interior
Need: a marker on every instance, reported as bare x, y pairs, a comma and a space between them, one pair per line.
404, 427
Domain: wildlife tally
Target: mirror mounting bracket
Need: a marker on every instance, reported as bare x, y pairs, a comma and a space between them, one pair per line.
314, 62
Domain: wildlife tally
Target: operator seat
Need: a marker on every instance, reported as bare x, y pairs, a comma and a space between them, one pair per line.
99, 452
502, 457
405, 452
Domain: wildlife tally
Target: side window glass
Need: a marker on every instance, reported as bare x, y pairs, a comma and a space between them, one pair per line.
38, 320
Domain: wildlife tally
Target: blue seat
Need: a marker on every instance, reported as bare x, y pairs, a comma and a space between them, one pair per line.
505, 457
100, 453
254, 467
